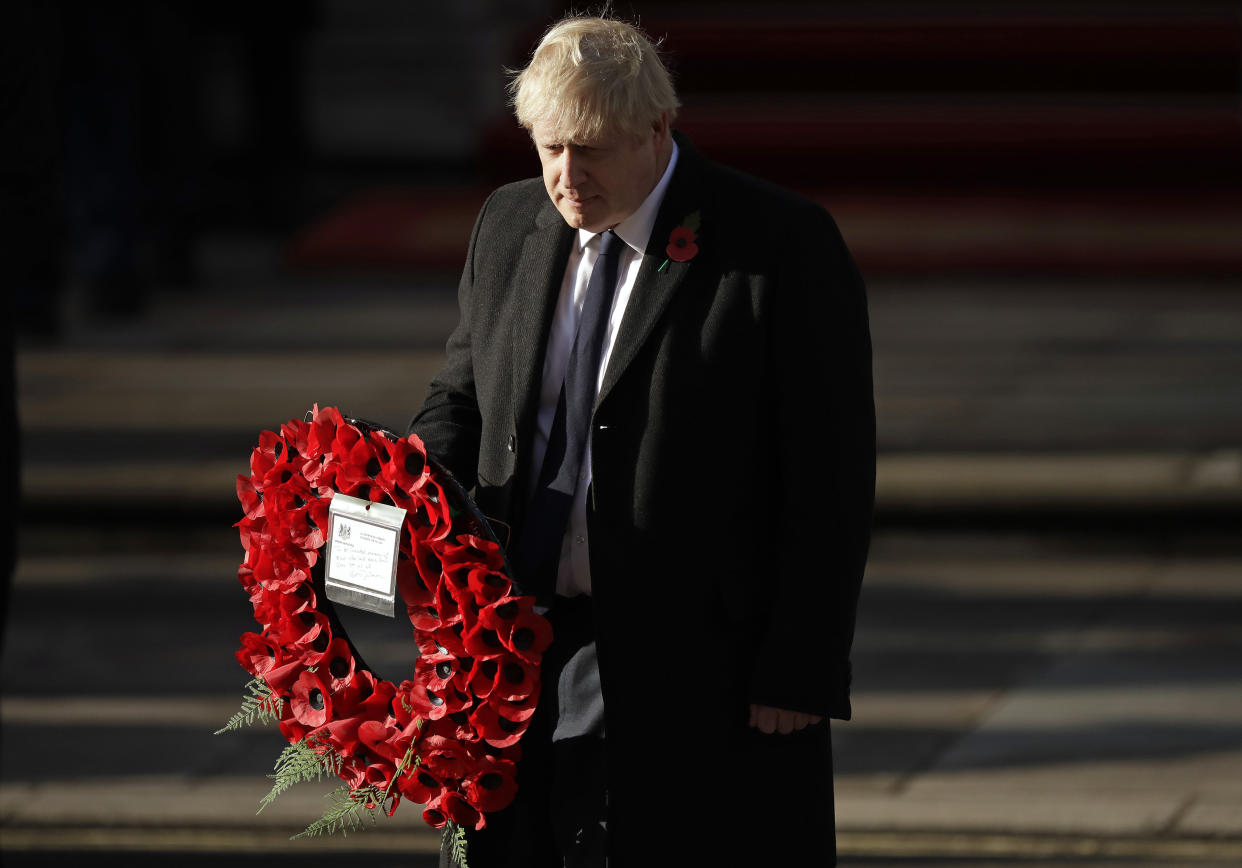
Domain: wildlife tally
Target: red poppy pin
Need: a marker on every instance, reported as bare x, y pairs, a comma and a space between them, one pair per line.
681, 241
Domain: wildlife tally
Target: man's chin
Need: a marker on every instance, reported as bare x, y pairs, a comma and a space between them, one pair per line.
580, 218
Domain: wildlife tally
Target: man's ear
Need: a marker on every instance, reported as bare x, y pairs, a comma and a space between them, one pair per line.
659, 128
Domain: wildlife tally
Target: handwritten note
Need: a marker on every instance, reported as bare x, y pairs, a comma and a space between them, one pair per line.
362, 554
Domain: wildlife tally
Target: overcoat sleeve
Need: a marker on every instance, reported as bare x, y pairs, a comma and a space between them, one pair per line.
822, 435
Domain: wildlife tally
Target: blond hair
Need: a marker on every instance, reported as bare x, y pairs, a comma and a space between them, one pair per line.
592, 77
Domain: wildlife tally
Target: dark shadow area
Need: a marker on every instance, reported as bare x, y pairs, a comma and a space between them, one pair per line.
241, 858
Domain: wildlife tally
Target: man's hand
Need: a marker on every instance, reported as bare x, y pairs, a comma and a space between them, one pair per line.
782, 720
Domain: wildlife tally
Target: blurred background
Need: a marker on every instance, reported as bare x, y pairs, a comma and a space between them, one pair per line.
216, 215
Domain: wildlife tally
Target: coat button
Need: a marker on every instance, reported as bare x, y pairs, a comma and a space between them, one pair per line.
512, 444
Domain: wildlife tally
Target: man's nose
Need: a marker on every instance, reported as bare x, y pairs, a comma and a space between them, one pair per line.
572, 175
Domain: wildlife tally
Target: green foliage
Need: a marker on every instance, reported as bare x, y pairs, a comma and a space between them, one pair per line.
408, 763
304, 760
345, 812
454, 838
311, 759
260, 704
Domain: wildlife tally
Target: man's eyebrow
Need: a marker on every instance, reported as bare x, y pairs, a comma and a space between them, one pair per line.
573, 143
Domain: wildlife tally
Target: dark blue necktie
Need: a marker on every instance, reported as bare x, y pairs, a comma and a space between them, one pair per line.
539, 551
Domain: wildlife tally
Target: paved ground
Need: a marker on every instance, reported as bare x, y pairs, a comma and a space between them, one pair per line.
1018, 696
1064, 695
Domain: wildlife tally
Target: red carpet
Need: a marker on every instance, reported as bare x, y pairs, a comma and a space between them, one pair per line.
1157, 234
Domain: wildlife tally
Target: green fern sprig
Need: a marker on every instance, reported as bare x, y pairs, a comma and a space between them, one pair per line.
260, 704
454, 837
408, 763
345, 812
304, 760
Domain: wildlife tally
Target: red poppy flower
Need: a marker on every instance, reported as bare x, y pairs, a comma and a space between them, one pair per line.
306, 526
456, 726
502, 614
301, 632
359, 466
473, 551
346, 436
323, 479
311, 700
530, 637
336, 664
258, 654
322, 431
445, 758
414, 591
279, 567
451, 805
483, 676
447, 607
519, 628
406, 469
513, 709
251, 500
516, 680
266, 604
428, 516
286, 499
383, 740
438, 672
494, 729
456, 582
379, 774
488, 584
280, 677
365, 695
430, 570
435, 703
280, 473
250, 530
301, 598
358, 771
269, 452
447, 637
492, 785
681, 246
420, 786
483, 641
290, 727
341, 734
295, 433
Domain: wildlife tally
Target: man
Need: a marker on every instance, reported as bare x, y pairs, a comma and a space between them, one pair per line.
661, 383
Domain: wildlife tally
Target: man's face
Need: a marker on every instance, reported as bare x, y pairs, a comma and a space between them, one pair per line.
596, 185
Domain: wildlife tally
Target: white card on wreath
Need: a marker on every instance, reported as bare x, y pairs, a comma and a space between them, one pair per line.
361, 557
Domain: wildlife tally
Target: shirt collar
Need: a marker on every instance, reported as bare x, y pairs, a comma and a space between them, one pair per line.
635, 230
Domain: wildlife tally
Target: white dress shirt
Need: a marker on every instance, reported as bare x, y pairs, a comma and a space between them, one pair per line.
574, 574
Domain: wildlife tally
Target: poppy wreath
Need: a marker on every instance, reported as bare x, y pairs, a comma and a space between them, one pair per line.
448, 736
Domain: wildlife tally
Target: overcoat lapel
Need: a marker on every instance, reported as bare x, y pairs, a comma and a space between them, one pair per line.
654, 289
535, 285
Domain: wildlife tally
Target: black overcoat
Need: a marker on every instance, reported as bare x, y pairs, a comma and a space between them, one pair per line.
733, 464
